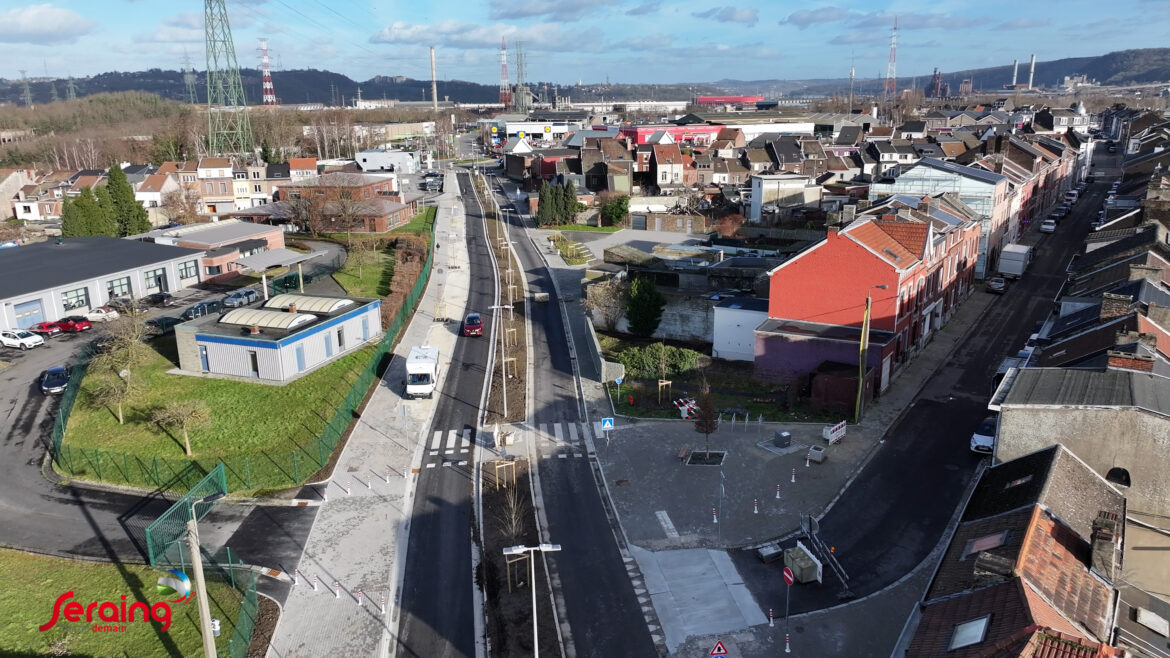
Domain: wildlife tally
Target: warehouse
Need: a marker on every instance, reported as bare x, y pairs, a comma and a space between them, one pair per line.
45, 281
285, 337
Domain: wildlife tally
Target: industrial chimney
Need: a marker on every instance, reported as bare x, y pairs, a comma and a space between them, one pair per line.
434, 84
1015, 69
1032, 71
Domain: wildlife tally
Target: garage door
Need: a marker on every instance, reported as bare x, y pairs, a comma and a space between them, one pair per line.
28, 314
638, 222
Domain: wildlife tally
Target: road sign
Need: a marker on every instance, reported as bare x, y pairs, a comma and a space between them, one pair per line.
607, 424
619, 381
788, 577
718, 649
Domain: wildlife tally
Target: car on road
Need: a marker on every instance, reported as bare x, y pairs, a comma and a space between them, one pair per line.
55, 380
20, 339
162, 325
1048, 226
46, 329
101, 314
241, 297
160, 299
74, 324
983, 440
473, 325
1057, 214
997, 285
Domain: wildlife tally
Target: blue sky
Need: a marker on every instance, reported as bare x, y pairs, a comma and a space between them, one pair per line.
626, 40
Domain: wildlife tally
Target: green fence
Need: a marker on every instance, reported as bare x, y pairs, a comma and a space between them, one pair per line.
170, 528
281, 470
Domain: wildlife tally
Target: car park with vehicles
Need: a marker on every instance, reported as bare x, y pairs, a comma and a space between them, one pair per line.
55, 380
102, 314
20, 339
473, 325
46, 329
74, 324
241, 297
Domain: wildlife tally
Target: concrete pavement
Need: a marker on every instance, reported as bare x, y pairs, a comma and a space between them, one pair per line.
359, 534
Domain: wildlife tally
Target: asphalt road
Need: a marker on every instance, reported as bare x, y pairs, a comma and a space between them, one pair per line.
436, 602
603, 612
895, 512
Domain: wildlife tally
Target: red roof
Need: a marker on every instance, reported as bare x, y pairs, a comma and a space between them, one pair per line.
872, 236
301, 164
911, 235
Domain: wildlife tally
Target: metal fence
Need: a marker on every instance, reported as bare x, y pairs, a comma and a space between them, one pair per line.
170, 527
267, 470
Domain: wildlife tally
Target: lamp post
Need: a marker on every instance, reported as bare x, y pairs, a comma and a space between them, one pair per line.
200, 586
863, 350
531, 550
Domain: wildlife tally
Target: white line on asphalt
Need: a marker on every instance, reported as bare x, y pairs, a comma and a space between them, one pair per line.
431, 465
543, 429
562, 455
558, 432
452, 435
667, 525
573, 433
437, 442
466, 438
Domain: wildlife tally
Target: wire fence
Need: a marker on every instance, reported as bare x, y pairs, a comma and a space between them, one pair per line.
261, 471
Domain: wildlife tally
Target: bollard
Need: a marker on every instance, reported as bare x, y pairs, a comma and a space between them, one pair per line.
369, 482
387, 476
714, 517
771, 624
777, 492
756, 506
382, 603
359, 596
794, 476
314, 582
347, 483
787, 646
296, 576
337, 589
733, 420
806, 461
832, 549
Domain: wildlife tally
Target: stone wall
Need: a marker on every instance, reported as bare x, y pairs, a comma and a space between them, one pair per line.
685, 317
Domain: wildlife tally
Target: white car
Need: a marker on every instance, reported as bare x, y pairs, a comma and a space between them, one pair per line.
1049, 226
983, 440
101, 314
19, 338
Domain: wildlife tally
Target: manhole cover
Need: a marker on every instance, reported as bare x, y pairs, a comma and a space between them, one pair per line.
622, 483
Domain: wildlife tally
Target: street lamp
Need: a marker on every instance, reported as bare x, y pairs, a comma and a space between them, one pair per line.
200, 585
863, 351
531, 550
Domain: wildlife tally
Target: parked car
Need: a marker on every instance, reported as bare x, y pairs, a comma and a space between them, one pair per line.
1057, 214
101, 314
100, 345
19, 338
983, 440
1048, 226
55, 380
473, 325
202, 308
997, 285
241, 297
160, 299
74, 324
46, 329
126, 305
164, 324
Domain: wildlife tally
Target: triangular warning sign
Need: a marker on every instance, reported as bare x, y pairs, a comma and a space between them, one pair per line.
718, 649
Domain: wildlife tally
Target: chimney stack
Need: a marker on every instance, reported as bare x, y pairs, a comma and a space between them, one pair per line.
1032, 71
254, 330
1015, 70
292, 308
1114, 305
434, 83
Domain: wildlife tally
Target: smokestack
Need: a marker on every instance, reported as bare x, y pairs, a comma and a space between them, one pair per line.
1015, 70
434, 83
1032, 71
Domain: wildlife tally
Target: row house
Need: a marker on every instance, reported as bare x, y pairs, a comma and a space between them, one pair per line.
301, 168
666, 166
984, 192
904, 266
12, 181
892, 156
216, 186
152, 193
1060, 120
44, 199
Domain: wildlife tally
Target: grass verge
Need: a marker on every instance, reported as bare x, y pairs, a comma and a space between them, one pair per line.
572, 252
369, 279
421, 223
30, 585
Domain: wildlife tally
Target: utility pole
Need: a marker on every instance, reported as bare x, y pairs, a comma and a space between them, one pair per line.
229, 128
189, 79
851, 73
26, 95
70, 90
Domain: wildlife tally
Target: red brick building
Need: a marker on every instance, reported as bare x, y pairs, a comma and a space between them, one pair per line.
342, 201
921, 250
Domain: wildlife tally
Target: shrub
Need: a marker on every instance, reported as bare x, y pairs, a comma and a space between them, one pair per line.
647, 362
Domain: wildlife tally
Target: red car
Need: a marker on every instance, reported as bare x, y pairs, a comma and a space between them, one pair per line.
473, 325
46, 329
74, 324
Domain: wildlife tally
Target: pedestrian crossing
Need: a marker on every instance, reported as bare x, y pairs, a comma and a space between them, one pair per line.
563, 440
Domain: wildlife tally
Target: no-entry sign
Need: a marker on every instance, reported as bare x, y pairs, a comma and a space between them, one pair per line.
788, 577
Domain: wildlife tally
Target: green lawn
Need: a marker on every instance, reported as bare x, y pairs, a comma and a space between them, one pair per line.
574, 253
420, 223
370, 280
30, 585
265, 435
583, 227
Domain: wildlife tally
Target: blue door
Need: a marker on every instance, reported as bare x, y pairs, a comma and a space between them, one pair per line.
300, 358
365, 329
28, 314
328, 345
203, 358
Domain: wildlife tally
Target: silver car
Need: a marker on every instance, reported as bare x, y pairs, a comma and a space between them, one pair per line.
241, 297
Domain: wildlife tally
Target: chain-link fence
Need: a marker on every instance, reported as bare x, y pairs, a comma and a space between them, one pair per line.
169, 529
264, 470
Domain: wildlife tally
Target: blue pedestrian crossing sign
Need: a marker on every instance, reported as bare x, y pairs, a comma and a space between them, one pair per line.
618, 381
607, 424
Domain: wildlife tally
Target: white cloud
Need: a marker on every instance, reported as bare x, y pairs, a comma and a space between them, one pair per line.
457, 34
876, 19
858, 37
42, 24
644, 9
188, 20
563, 11
1023, 24
730, 15
807, 17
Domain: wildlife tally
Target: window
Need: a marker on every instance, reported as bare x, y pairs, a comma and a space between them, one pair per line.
156, 279
208, 188
341, 338
1119, 476
222, 187
154, 204
984, 543
118, 287
188, 270
75, 299
969, 632
255, 174
27, 209
256, 188
254, 363
212, 270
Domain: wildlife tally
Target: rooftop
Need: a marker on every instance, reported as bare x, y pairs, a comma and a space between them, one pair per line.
274, 321
207, 235
1067, 387
782, 326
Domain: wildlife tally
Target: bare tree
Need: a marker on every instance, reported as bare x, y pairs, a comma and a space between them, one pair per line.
512, 515
307, 212
127, 339
363, 250
114, 392
608, 301
179, 206
184, 414
706, 419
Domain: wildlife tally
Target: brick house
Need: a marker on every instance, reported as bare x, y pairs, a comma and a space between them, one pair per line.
216, 185
921, 249
369, 203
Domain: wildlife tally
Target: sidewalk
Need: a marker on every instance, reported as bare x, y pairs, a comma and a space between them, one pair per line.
362, 526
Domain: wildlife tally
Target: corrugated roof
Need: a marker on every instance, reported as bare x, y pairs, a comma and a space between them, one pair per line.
254, 317
1091, 388
309, 303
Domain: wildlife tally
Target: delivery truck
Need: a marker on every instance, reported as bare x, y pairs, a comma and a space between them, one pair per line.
1014, 260
422, 371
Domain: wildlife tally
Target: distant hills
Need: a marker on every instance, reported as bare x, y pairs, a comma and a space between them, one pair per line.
1145, 65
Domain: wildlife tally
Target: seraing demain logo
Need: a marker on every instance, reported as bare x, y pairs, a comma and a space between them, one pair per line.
123, 612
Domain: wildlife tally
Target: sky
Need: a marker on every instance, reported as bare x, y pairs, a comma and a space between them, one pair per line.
624, 41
